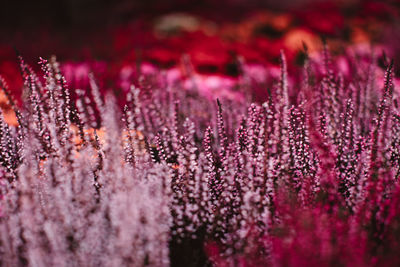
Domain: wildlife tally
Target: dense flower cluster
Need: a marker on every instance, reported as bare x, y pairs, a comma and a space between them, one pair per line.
307, 178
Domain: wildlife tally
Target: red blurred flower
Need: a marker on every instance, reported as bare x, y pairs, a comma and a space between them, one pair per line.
324, 18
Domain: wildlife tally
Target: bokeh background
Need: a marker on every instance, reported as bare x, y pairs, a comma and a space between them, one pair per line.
112, 38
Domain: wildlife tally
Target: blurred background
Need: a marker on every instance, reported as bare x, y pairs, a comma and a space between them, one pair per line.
112, 37
88, 13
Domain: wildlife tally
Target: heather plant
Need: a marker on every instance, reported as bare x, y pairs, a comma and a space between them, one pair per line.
309, 177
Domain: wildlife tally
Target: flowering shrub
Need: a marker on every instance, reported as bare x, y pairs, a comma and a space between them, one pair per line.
307, 178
